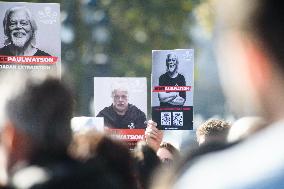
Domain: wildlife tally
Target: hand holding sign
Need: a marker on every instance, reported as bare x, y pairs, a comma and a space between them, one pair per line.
153, 135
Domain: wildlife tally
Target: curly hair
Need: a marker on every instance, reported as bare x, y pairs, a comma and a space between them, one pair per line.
213, 128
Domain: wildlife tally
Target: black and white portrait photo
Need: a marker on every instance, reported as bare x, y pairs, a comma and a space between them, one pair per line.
20, 33
122, 102
31, 33
172, 88
172, 78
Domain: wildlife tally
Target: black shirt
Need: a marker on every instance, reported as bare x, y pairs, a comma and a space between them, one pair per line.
134, 118
166, 80
5, 51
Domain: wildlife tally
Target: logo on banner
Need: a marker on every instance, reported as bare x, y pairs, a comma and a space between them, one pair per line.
47, 16
188, 55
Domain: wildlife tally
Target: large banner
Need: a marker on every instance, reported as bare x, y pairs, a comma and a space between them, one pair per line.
172, 88
30, 37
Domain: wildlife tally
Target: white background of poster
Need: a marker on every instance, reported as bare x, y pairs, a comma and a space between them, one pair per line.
137, 91
48, 36
85, 124
185, 67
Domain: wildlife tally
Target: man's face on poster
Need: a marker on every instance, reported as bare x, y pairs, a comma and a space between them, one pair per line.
172, 63
120, 100
19, 27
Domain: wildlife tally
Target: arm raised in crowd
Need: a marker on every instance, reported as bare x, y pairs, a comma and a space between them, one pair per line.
153, 135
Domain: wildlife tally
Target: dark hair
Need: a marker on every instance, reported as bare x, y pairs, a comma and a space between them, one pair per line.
262, 19
170, 148
116, 155
269, 30
112, 155
43, 111
146, 162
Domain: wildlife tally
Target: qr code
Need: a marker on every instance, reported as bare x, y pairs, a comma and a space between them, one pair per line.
166, 118
178, 118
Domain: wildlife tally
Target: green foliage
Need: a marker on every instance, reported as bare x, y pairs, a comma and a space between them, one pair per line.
137, 27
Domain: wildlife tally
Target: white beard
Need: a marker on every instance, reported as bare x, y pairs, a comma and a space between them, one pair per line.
19, 38
172, 69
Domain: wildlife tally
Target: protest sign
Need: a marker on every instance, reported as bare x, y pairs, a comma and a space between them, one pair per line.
172, 88
121, 101
30, 37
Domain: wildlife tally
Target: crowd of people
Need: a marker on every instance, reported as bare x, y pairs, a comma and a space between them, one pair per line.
39, 151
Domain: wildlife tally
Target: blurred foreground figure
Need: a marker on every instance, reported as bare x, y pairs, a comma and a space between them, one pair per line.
168, 154
153, 136
244, 127
113, 155
147, 163
251, 63
35, 117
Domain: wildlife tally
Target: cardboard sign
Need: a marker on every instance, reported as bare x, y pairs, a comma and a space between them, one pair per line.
85, 124
172, 88
129, 136
122, 102
30, 37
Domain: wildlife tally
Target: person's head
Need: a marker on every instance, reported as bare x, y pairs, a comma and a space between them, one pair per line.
251, 59
112, 154
167, 152
172, 63
19, 27
35, 117
120, 100
213, 130
147, 162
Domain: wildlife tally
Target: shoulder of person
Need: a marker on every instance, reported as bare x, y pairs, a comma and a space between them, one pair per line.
4, 51
134, 109
85, 176
164, 75
106, 111
41, 53
164, 78
181, 76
